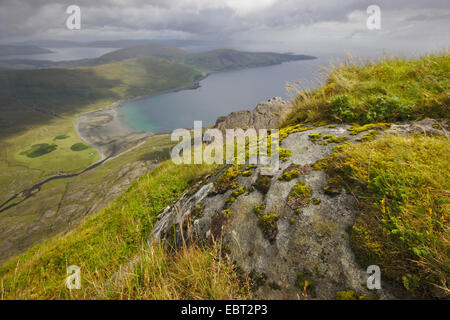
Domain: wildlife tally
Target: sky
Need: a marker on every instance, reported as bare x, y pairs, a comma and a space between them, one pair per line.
301, 26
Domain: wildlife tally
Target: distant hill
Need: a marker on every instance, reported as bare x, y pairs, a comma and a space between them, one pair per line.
12, 50
225, 59
216, 60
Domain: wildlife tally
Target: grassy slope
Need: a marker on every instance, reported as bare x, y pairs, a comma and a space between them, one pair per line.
388, 89
401, 183
101, 244
108, 240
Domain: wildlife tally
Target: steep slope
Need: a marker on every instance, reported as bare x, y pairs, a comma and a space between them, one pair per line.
348, 196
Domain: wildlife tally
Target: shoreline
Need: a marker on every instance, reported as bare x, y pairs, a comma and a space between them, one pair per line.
103, 129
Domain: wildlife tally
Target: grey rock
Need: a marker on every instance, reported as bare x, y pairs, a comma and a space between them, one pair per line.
267, 115
313, 242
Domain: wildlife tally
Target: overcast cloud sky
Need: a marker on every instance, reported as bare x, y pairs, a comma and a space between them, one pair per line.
314, 26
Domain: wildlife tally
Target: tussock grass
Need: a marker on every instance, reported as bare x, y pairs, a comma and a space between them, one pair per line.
190, 273
107, 241
402, 185
388, 89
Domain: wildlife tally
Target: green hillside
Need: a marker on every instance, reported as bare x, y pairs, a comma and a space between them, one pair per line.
231, 59
401, 184
153, 50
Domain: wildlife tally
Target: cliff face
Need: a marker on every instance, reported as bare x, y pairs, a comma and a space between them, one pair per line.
289, 231
267, 115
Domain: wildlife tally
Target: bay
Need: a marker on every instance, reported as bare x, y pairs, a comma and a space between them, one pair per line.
219, 94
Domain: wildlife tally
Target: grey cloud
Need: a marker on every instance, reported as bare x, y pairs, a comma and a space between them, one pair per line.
22, 18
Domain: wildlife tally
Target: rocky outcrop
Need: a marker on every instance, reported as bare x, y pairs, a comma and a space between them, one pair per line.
291, 235
267, 115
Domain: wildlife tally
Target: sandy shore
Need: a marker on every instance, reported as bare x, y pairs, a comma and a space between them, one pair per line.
103, 130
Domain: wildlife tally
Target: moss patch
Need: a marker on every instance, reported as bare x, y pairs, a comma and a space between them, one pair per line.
334, 186
334, 139
263, 183
346, 295
356, 129
315, 137
300, 196
285, 154
234, 196
226, 180
260, 209
289, 175
268, 225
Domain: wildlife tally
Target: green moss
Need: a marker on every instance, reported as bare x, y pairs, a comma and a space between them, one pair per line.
355, 129
334, 186
331, 126
346, 295
268, 225
316, 202
234, 196
369, 136
263, 183
300, 195
287, 131
292, 221
247, 173
226, 180
321, 123
334, 139
289, 175
315, 137
260, 209
285, 154
321, 164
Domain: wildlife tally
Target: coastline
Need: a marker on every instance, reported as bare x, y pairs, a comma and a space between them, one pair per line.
108, 135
